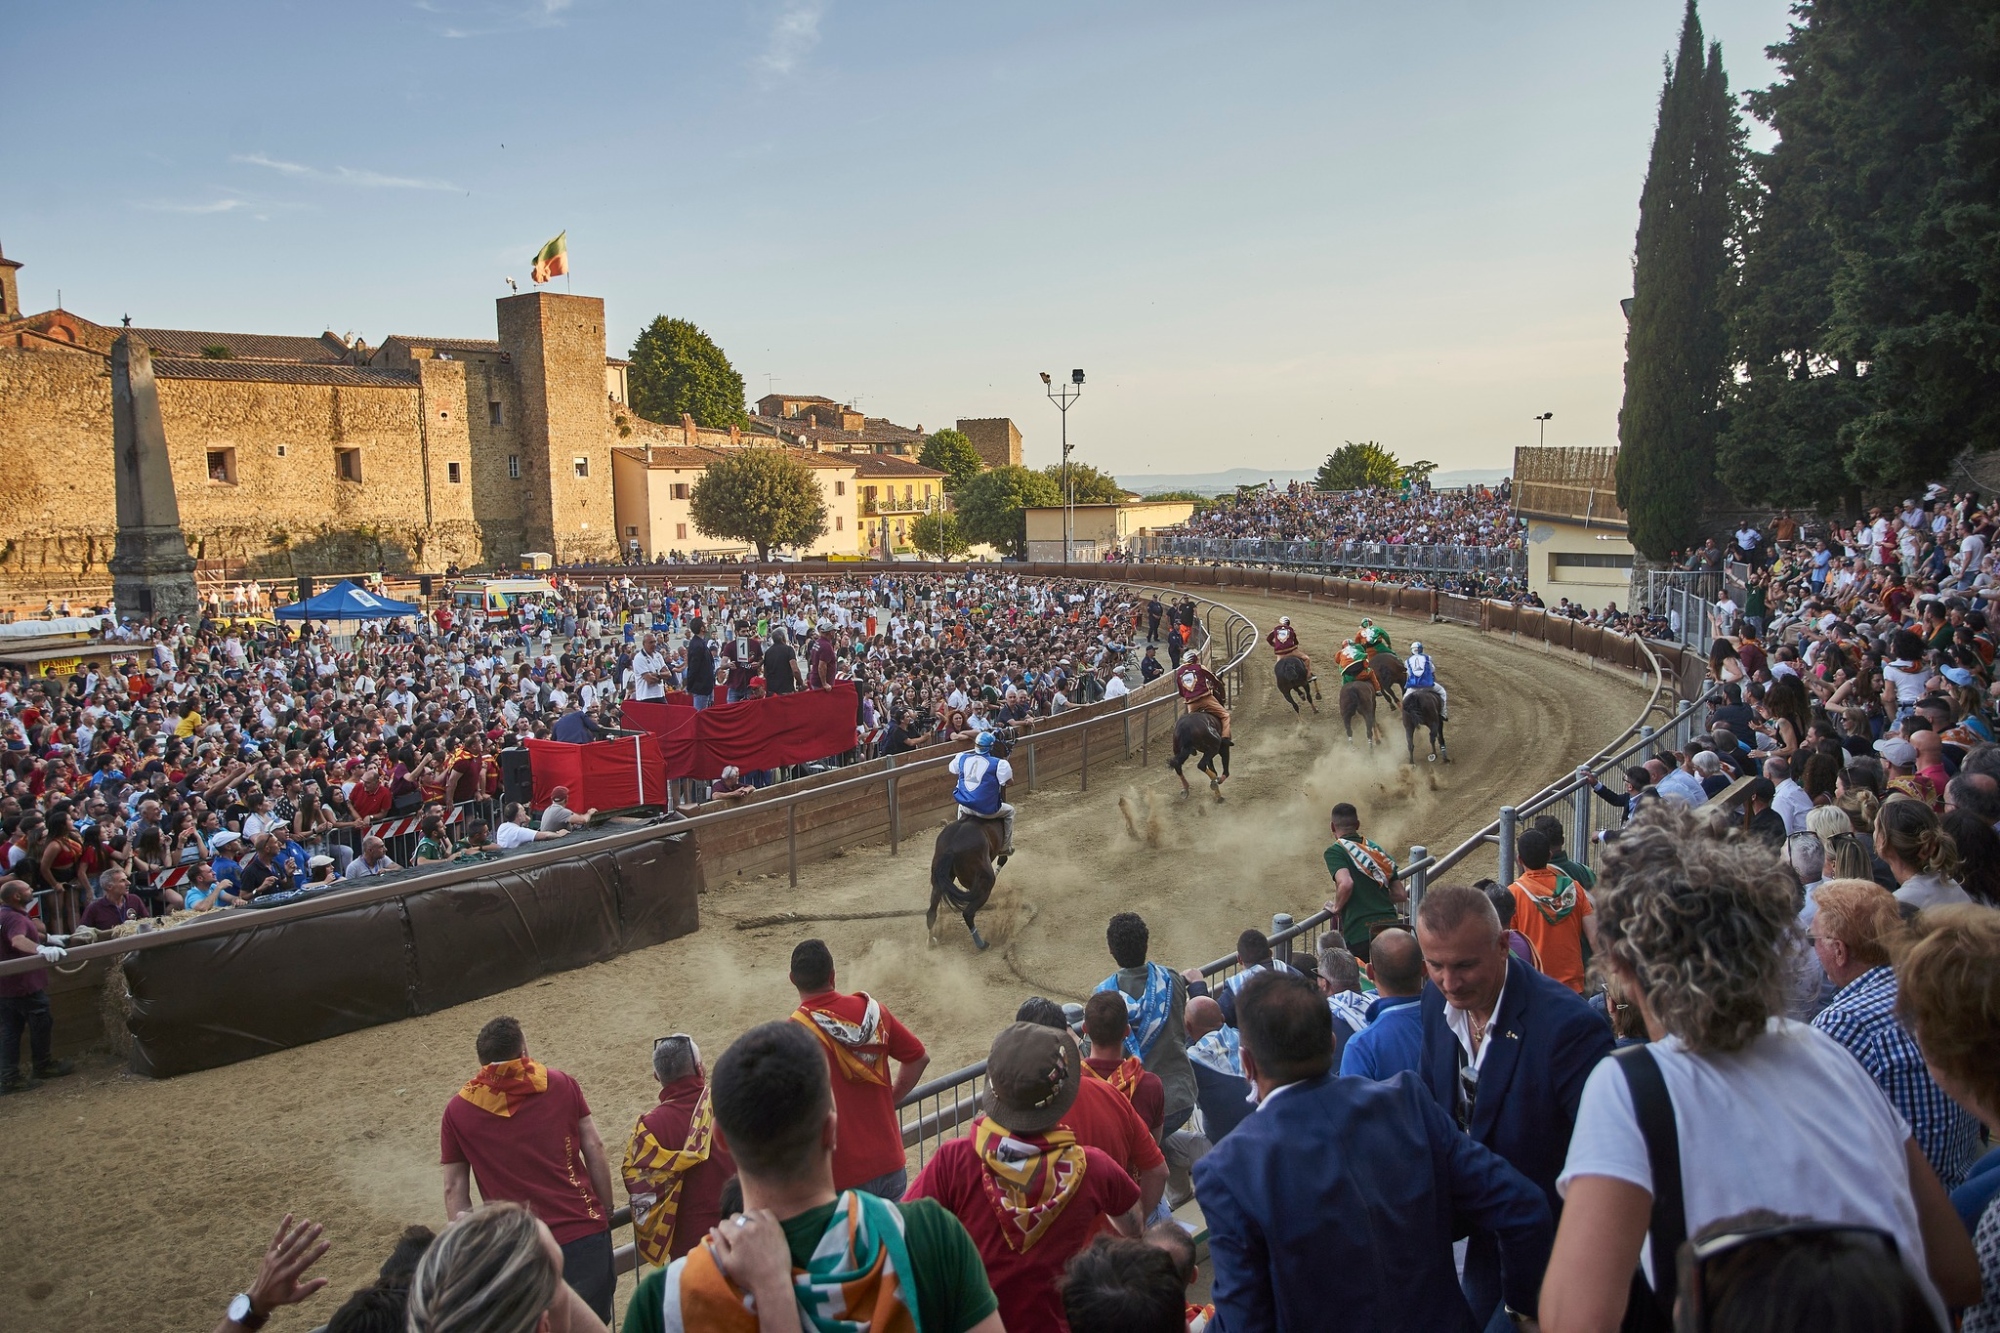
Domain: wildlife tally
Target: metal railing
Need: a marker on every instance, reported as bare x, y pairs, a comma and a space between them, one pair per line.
1387, 557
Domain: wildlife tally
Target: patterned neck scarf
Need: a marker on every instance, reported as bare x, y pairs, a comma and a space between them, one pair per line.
855, 1282
1148, 1014
655, 1173
1552, 892
502, 1087
858, 1049
1125, 1077
1029, 1178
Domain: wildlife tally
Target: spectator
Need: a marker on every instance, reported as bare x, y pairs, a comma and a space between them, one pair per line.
497, 1269
1105, 1023
1978, 848
1552, 911
675, 1164
558, 817
374, 860
1527, 1041
1763, 823
1394, 1038
383, 1306
1505, 905
1253, 955
1919, 853
1029, 1193
1340, 983
1551, 828
118, 905
843, 1253
1692, 923
1158, 998
1124, 1286
204, 891
1173, 1239
1335, 1204
281, 1276
781, 665
1103, 1118
525, 1131
24, 997
1760, 1272
517, 829
1366, 891
1854, 934
700, 675
860, 1038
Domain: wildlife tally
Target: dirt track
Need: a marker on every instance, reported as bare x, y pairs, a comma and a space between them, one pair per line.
141, 1205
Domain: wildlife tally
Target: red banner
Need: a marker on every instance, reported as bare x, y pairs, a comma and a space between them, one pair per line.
757, 733
600, 775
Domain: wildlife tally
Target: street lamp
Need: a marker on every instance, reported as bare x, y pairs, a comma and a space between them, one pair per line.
1542, 427
1062, 395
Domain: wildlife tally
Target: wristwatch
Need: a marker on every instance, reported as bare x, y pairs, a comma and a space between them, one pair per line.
244, 1314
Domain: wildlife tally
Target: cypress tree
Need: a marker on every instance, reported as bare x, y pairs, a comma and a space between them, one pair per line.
1677, 361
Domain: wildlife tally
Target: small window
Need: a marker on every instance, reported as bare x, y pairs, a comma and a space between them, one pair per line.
1590, 560
631, 531
680, 490
451, 473
281, 451
582, 466
494, 416
348, 462
839, 523
680, 532
222, 466
514, 467
840, 488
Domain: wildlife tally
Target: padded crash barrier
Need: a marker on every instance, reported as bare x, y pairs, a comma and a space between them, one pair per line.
232, 997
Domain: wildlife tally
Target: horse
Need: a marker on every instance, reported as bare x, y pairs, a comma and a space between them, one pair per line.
1359, 697
963, 871
1292, 678
1200, 732
1390, 676
1422, 707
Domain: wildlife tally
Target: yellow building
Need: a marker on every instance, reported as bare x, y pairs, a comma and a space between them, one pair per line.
653, 484
1098, 529
891, 493
1577, 548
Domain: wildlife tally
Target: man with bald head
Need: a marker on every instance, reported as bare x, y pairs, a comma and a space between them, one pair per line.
1931, 775
1978, 794
1393, 1041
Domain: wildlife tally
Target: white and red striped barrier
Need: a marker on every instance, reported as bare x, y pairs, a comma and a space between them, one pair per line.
401, 824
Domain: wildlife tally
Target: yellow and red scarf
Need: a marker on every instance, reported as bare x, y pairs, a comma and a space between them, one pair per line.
654, 1175
1029, 1178
1125, 1077
857, 1281
858, 1049
502, 1087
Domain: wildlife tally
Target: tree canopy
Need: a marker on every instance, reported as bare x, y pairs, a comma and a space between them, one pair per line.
989, 508
1090, 486
765, 496
951, 452
676, 369
1354, 467
939, 536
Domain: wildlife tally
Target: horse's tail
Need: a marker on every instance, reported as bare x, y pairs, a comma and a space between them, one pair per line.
944, 883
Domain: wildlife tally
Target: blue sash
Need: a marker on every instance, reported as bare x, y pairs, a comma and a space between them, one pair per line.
1420, 678
1149, 1013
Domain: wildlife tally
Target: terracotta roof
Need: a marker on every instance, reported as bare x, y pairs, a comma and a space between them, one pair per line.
278, 372
875, 430
889, 465
242, 346
675, 456
449, 344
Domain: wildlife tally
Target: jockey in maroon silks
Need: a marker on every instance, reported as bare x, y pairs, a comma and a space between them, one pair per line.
1284, 641
1201, 690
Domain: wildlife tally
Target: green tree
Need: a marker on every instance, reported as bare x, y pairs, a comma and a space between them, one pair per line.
951, 452
1353, 467
989, 508
1090, 486
1198, 497
1677, 362
938, 536
1416, 473
765, 496
676, 369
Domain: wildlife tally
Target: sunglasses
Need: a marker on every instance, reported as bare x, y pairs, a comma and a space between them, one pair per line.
1696, 1257
658, 1042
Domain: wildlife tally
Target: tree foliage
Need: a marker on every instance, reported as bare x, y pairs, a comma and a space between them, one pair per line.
765, 496
1677, 362
939, 536
676, 369
1090, 486
1354, 467
1867, 324
951, 452
989, 508
1418, 472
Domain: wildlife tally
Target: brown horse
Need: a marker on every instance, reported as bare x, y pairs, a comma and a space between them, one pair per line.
1359, 697
1293, 679
1422, 708
962, 870
1389, 675
1200, 734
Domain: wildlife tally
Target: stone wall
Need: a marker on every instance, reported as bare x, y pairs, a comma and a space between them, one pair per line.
557, 344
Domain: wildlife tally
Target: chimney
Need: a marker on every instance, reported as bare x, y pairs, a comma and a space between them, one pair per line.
687, 429
735, 436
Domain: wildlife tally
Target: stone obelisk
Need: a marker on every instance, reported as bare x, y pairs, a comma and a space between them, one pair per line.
152, 573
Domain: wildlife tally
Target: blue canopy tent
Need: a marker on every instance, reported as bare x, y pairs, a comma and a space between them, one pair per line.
344, 601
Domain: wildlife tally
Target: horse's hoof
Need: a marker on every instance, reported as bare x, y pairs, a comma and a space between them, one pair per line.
1432, 758
980, 941
1002, 860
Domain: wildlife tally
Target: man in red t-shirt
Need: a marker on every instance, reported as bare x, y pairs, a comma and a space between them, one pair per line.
1102, 1118
524, 1130
860, 1038
675, 1160
371, 797
1106, 1022
1030, 1193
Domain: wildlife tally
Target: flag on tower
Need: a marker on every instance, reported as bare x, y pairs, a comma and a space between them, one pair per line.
552, 260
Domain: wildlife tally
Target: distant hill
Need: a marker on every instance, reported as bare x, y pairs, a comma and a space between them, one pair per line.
1216, 483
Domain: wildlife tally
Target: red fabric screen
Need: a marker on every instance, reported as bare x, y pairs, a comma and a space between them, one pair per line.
602, 775
757, 733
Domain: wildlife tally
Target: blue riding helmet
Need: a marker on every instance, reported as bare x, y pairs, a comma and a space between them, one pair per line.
984, 742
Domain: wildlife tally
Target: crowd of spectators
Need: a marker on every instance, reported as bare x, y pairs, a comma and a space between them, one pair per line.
1415, 515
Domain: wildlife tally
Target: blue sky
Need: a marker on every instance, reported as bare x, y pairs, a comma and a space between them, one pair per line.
1262, 229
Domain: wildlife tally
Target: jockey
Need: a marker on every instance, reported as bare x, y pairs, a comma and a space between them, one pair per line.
1422, 673
1201, 690
982, 784
1353, 662
1373, 636
1284, 641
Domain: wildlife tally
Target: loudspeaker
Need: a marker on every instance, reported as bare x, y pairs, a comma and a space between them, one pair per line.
305, 587
424, 584
517, 780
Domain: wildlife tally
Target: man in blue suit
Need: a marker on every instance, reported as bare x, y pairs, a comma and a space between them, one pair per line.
1505, 1053
1332, 1207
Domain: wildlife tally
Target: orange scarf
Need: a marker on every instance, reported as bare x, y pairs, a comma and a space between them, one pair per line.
654, 1175
858, 1049
502, 1087
859, 1279
1125, 1077
1029, 1179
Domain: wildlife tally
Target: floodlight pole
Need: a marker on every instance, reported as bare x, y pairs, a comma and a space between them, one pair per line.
1062, 395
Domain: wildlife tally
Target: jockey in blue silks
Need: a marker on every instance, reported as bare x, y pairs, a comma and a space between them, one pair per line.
1422, 673
981, 790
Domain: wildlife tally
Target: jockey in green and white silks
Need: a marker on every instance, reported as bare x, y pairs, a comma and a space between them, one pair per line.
1374, 636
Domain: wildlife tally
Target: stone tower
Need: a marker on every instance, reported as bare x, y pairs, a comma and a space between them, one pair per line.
10, 289
556, 343
152, 573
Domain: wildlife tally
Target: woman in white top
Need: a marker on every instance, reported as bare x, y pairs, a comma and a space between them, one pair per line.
1696, 925
1919, 853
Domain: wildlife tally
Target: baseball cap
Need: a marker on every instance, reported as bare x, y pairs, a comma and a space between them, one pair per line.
1032, 1076
1897, 751
1958, 675
222, 840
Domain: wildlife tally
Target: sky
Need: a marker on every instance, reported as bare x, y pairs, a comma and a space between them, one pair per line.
1261, 229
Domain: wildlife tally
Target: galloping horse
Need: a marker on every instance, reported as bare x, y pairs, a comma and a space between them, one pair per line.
1200, 732
964, 856
1422, 707
1292, 678
1359, 697
1390, 675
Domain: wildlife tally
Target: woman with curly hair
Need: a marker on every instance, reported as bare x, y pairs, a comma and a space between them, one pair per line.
1698, 926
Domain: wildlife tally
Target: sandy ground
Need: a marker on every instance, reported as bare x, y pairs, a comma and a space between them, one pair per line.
143, 1205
